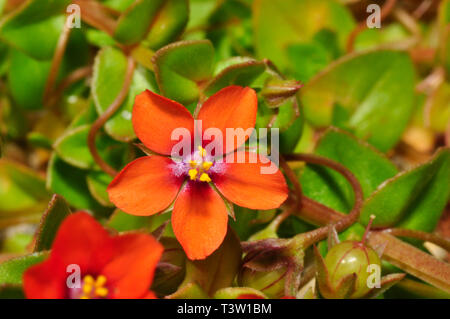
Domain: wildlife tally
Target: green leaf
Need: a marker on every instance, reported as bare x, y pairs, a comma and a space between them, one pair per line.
413, 199
169, 23
97, 182
279, 24
108, 78
212, 273
330, 188
239, 71
134, 23
11, 292
181, 66
122, 221
72, 148
11, 271
34, 27
376, 88
22, 193
27, 78
70, 182
57, 211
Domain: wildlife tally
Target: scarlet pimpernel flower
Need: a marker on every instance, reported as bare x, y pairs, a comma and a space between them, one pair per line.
197, 183
86, 262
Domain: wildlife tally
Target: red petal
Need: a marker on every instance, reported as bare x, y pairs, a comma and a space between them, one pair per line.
155, 117
130, 272
199, 220
44, 281
232, 107
244, 185
145, 186
83, 241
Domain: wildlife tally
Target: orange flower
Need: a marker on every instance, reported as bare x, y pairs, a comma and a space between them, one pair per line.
105, 266
150, 184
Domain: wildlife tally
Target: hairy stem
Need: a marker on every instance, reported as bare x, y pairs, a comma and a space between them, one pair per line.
106, 115
417, 234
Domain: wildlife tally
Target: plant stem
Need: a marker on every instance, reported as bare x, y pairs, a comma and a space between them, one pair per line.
433, 238
106, 115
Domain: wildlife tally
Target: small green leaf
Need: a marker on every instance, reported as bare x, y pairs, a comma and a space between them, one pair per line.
11, 271
377, 89
169, 23
134, 23
97, 182
57, 211
181, 67
413, 199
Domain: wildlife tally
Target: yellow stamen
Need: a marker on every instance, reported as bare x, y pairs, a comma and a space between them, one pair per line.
101, 292
84, 297
202, 151
101, 280
88, 279
205, 178
193, 164
87, 288
193, 173
207, 165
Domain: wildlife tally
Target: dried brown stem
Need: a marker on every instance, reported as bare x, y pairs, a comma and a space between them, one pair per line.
106, 115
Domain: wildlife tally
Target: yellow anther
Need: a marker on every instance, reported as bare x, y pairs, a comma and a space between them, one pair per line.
207, 165
202, 151
84, 297
101, 280
88, 279
193, 164
87, 288
101, 292
193, 173
205, 178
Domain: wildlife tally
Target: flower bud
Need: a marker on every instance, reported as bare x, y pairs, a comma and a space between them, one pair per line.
271, 283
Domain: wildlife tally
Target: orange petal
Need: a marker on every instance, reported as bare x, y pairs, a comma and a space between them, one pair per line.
145, 186
245, 185
155, 117
232, 107
199, 220
130, 272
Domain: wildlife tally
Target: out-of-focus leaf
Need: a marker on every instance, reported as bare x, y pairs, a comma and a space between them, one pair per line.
330, 188
14, 123
27, 78
57, 211
438, 108
279, 24
109, 75
389, 34
35, 27
72, 148
181, 67
22, 192
169, 23
134, 23
307, 59
240, 71
97, 182
122, 221
11, 271
11, 292
70, 182
376, 88
412, 199
213, 273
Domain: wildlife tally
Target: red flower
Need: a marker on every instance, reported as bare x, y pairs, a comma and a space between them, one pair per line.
109, 266
150, 184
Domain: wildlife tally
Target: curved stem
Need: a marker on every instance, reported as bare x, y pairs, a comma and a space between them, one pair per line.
347, 220
417, 234
106, 115
292, 178
56, 61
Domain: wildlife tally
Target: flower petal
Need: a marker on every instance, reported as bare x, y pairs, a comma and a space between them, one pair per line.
145, 186
44, 281
130, 272
81, 240
232, 107
156, 117
245, 185
199, 220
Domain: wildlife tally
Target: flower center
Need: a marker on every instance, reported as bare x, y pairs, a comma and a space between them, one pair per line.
94, 288
199, 166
